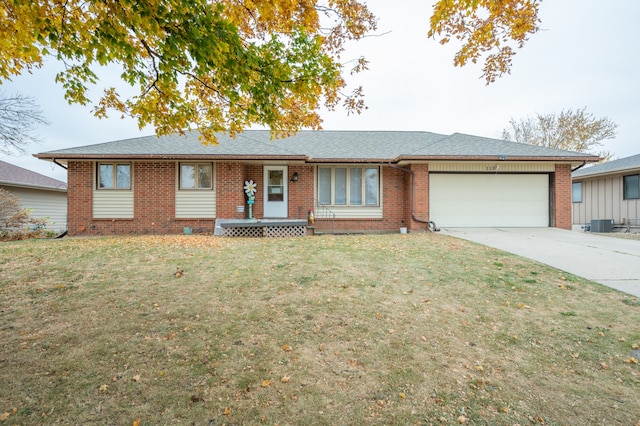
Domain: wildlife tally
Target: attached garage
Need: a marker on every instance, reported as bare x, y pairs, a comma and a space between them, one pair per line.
489, 200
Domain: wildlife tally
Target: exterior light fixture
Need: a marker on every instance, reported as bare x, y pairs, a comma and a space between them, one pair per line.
294, 178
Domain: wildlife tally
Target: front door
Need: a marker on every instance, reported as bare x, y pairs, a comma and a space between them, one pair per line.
275, 193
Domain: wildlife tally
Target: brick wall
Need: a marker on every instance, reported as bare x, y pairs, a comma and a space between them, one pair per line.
421, 192
230, 179
154, 201
154, 187
301, 192
79, 197
562, 196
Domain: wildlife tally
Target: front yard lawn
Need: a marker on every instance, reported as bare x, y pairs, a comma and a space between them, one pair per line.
382, 329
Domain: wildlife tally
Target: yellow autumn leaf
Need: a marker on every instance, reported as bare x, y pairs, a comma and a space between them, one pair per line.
136, 422
287, 348
4, 416
402, 395
227, 411
285, 379
136, 378
266, 383
104, 388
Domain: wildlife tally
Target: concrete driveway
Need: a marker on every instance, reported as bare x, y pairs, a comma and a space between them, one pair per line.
614, 262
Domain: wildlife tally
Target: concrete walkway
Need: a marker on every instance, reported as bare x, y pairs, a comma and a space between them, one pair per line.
614, 262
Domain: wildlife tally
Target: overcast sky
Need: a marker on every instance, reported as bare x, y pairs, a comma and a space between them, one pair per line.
587, 55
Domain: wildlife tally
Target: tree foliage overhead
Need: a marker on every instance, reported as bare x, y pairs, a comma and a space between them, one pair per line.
578, 131
214, 65
494, 28
18, 117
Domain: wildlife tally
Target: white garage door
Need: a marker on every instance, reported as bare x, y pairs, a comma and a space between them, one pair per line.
489, 200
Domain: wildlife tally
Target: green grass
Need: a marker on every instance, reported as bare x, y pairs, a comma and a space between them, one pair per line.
387, 329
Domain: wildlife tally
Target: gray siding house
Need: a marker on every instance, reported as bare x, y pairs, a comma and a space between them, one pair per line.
608, 191
44, 196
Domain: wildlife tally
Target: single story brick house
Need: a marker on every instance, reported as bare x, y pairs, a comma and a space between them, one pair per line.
354, 181
45, 197
608, 191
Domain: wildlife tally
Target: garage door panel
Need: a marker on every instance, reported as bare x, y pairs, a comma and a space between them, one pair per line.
489, 200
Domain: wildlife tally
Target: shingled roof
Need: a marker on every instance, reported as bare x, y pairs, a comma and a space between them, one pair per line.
610, 167
11, 175
321, 146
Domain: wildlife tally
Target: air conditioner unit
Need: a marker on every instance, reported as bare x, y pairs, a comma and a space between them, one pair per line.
602, 225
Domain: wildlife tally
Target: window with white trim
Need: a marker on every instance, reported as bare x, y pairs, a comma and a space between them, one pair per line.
349, 186
114, 176
196, 176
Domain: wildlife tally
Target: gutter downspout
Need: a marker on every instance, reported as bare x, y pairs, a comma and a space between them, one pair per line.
431, 225
60, 164
584, 163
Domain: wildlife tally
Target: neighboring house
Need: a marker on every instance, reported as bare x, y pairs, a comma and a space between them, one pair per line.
45, 197
608, 191
355, 181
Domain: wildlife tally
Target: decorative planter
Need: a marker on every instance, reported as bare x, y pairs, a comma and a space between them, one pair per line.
187, 230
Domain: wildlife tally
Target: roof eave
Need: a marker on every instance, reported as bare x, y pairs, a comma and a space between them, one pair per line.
556, 159
623, 171
33, 186
223, 157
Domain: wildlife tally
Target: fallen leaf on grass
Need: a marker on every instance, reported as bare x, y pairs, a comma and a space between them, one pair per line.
285, 379
227, 411
136, 422
631, 360
266, 383
287, 348
103, 388
4, 416
136, 378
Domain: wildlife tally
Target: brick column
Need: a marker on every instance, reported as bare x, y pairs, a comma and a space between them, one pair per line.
79, 196
154, 186
562, 196
418, 197
229, 190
